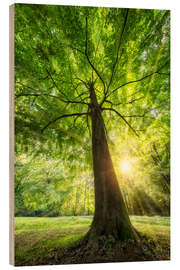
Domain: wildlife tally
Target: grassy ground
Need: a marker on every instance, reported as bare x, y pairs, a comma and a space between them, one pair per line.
41, 240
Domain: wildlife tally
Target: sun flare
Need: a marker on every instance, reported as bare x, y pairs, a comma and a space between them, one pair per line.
126, 167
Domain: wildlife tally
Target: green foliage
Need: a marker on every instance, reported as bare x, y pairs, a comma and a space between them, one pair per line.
130, 49
45, 187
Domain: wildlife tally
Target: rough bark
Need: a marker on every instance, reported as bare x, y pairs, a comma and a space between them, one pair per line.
111, 217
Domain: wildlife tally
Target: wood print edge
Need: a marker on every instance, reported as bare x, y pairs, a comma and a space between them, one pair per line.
11, 134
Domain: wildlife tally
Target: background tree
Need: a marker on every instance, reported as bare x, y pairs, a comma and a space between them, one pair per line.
82, 70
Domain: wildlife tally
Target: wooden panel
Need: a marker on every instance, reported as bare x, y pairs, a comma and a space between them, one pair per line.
11, 132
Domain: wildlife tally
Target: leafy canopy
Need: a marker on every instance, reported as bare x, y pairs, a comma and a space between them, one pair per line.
59, 50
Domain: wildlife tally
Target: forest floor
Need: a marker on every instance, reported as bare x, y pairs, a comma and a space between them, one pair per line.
47, 240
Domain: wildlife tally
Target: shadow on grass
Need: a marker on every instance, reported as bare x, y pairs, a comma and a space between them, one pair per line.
43, 241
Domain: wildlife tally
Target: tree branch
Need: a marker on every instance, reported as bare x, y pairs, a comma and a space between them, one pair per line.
87, 122
137, 116
62, 116
130, 102
141, 79
163, 73
134, 100
122, 117
73, 48
48, 95
117, 55
86, 53
83, 82
34, 95
48, 72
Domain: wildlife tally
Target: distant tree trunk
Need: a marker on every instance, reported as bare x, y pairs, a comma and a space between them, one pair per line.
166, 177
111, 217
88, 191
85, 191
75, 203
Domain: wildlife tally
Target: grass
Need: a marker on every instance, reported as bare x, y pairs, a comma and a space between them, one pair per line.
40, 240
152, 227
39, 224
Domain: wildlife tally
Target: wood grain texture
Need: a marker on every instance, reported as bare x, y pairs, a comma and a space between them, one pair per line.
11, 134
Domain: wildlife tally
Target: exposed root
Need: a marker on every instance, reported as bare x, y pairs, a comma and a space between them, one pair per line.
106, 249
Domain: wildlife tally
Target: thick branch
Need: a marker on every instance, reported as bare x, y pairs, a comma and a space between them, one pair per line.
62, 116
122, 117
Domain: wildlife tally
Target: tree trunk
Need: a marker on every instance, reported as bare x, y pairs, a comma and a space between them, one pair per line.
111, 217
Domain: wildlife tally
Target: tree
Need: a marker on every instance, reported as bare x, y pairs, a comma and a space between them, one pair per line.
74, 68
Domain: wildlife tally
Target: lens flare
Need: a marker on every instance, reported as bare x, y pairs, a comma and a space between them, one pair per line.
125, 166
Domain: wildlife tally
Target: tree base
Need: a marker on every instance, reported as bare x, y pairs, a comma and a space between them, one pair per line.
100, 234
113, 251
